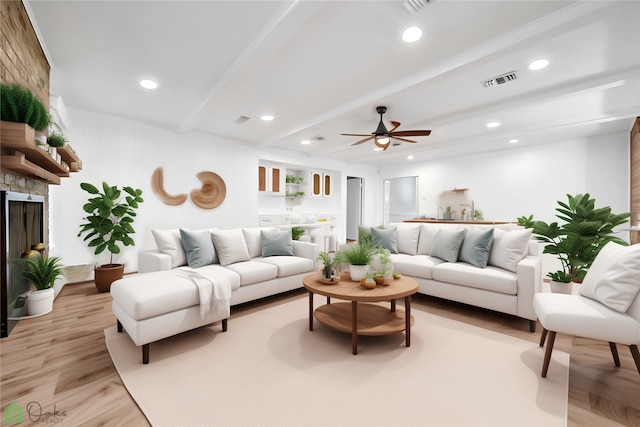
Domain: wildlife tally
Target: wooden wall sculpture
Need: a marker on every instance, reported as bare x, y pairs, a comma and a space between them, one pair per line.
209, 196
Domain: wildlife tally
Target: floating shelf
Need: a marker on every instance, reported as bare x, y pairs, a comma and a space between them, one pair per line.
22, 155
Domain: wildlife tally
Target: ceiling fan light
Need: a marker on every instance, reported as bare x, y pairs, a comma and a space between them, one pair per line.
411, 34
382, 141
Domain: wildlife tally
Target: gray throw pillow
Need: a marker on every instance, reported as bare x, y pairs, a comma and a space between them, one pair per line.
446, 244
387, 238
476, 247
198, 247
276, 243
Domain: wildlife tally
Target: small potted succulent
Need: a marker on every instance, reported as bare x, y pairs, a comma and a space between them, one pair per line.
328, 271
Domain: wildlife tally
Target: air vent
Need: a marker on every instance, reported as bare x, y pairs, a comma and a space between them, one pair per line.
242, 119
414, 6
501, 79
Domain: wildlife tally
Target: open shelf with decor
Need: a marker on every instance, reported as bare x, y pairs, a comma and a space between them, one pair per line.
22, 155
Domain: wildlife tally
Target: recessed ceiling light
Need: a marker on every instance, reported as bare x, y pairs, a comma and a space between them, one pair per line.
305, 142
513, 141
493, 124
377, 149
410, 157
411, 34
538, 64
267, 118
148, 84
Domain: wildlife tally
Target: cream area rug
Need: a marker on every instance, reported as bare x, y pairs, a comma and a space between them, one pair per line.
268, 369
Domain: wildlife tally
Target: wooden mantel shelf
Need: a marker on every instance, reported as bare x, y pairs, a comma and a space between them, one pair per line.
21, 155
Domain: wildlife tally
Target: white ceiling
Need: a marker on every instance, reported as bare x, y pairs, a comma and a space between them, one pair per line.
321, 68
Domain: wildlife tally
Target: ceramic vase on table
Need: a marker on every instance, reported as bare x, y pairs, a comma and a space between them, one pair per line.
357, 272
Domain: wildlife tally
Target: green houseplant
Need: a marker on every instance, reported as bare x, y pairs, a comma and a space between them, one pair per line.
42, 273
56, 140
578, 241
111, 213
296, 232
358, 256
20, 105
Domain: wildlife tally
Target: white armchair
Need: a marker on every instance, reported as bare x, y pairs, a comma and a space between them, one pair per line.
608, 307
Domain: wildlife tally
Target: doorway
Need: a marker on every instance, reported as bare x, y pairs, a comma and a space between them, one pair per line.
354, 207
400, 199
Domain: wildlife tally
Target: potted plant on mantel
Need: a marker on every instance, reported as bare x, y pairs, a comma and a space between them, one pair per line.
42, 273
109, 222
19, 106
578, 241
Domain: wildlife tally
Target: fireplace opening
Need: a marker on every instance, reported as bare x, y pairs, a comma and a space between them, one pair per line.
22, 230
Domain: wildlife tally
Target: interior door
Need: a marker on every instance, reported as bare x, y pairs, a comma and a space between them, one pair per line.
354, 207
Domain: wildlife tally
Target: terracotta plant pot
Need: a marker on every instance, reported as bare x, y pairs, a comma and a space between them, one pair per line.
106, 274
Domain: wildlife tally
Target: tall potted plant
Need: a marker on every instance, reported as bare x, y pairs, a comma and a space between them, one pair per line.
578, 241
109, 223
42, 273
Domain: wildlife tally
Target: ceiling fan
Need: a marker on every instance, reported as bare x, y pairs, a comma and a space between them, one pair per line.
382, 137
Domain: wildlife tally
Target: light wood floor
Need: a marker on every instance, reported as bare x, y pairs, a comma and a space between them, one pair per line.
61, 359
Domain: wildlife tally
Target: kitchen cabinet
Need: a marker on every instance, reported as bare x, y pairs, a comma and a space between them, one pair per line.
270, 179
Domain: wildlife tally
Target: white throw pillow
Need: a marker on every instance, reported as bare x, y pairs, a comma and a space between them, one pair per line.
427, 236
614, 277
509, 248
408, 236
230, 246
169, 243
253, 240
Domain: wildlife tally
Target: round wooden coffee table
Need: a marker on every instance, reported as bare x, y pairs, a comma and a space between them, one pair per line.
363, 318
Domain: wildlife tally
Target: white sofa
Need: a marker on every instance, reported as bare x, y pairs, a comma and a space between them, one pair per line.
163, 299
506, 284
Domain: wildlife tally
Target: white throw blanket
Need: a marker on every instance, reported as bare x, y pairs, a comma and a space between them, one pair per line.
214, 288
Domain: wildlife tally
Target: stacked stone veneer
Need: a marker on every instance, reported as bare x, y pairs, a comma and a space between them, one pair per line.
23, 61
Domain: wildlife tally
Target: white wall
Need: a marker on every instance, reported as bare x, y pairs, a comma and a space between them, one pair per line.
124, 152
528, 180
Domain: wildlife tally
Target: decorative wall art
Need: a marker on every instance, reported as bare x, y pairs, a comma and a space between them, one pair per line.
209, 196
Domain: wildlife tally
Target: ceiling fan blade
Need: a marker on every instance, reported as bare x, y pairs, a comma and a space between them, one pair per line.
403, 139
386, 145
395, 126
362, 140
355, 134
412, 133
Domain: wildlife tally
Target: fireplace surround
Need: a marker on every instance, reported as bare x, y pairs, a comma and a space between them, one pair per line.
22, 226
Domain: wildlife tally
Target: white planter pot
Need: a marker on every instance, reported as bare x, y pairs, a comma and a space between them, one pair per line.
40, 302
560, 287
357, 272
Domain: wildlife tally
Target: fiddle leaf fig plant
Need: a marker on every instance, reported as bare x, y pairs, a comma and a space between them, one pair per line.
110, 217
578, 241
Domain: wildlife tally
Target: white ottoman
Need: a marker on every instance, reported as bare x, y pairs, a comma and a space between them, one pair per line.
153, 306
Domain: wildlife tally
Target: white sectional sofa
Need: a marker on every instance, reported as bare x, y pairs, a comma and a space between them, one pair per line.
173, 289
497, 267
